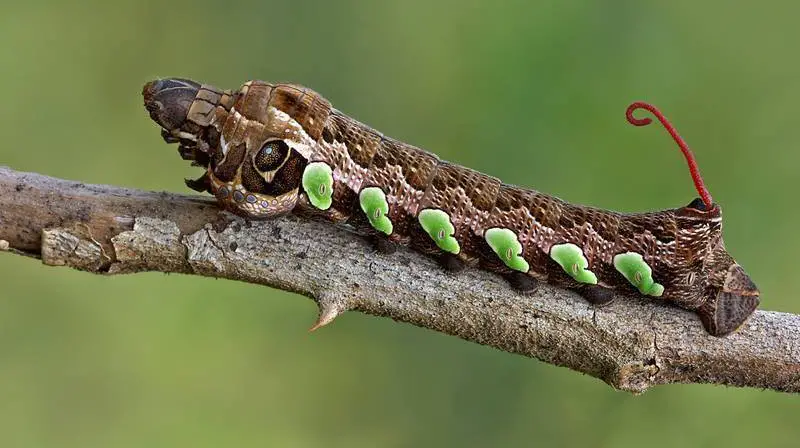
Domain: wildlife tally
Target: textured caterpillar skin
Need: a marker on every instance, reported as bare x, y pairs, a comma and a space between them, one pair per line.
229, 133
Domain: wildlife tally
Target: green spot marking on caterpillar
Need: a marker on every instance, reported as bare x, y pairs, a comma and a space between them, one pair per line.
373, 202
571, 259
632, 266
437, 224
505, 244
318, 184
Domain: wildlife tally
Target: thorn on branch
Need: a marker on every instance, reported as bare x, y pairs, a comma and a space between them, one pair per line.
330, 307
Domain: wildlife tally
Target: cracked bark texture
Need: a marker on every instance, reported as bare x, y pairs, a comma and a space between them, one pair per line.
632, 344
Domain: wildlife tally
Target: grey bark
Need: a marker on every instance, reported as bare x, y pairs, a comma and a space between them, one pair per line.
632, 344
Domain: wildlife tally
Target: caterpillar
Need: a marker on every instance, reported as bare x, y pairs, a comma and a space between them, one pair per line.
272, 149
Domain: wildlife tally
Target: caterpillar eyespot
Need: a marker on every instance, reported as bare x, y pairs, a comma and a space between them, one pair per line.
675, 254
271, 155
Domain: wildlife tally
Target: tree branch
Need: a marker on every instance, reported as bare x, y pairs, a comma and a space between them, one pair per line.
631, 344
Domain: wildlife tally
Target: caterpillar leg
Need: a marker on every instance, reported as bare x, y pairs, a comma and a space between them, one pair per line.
201, 184
382, 245
522, 283
168, 137
596, 295
451, 263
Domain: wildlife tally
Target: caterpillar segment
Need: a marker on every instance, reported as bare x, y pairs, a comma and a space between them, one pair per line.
271, 149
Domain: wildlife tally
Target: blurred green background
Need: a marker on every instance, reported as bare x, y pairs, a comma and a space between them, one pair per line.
531, 91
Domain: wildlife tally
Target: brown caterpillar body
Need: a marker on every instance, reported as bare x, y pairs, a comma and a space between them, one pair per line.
268, 149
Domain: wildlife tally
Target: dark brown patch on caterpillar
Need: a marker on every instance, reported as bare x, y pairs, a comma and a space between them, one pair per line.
287, 178
226, 170
252, 180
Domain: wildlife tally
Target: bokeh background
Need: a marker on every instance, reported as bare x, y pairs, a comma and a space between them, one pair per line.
531, 91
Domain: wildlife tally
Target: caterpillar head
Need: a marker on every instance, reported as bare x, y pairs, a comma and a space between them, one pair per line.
168, 102
254, 142
186, 112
